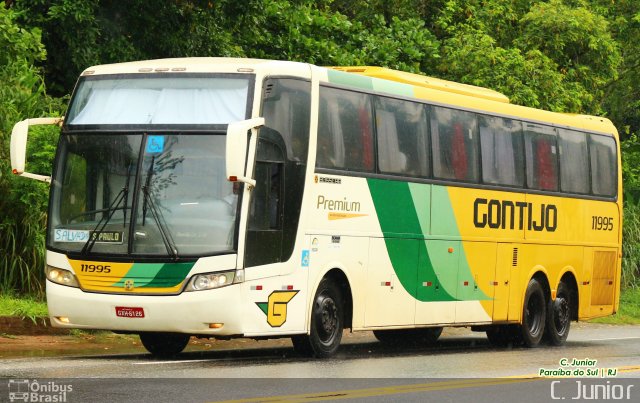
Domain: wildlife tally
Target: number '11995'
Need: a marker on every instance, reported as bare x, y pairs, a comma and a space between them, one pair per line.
600, 223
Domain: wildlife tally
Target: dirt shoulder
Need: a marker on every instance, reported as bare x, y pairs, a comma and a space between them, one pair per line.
29, 338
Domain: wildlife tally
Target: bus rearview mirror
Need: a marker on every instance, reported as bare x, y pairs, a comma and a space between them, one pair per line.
18, 147
236, 152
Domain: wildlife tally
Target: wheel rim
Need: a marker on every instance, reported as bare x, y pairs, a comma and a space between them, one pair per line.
533, 316
327, 320
561, 314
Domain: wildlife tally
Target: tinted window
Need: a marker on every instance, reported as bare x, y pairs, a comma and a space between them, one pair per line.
574, 161
403, 137
603, 165
542, 157
502, 151
455, 144
286, 109
345, 130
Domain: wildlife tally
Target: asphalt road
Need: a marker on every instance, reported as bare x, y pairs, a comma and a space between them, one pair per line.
462, 366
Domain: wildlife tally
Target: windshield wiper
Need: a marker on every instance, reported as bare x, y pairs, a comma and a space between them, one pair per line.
113, 207
149, 204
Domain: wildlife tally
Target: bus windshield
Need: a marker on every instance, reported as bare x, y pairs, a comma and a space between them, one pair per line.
142, 194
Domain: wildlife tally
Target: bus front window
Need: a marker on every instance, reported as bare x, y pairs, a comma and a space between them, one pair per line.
154, 194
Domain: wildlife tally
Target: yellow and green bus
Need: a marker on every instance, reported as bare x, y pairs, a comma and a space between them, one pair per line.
222, 198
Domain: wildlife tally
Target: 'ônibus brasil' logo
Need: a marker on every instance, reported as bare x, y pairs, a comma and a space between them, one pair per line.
276, 307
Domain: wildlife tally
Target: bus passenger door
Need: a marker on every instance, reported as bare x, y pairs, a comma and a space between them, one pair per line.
264, 232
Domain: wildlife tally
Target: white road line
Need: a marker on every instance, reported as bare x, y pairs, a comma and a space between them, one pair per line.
167, 362
614, 338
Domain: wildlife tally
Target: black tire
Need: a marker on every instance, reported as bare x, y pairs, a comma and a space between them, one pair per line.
559, 316
164, 344
533, 314
422, 336
327, 323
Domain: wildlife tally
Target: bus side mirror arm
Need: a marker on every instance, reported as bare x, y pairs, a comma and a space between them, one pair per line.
18, 147
237, 155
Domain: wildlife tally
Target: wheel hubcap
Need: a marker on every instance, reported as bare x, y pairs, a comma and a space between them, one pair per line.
561, 314
328, 318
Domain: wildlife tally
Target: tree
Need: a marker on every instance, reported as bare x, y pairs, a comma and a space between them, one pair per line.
22, 205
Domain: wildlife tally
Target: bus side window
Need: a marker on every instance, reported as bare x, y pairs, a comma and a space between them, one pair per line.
328, 155
455, 144
574, 161
603, 159
345, 130
542, 157
403, 137
286, 109
502, 153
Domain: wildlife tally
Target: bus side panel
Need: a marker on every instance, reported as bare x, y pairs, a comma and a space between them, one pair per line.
276, 304
600, 294
506, 263
388, 301
475, 287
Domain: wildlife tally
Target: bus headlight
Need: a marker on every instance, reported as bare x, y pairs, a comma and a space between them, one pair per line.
61, 276
208, 281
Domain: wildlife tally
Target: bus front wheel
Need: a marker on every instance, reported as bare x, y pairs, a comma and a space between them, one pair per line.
164, 344
327, 322
559, 316
533, 314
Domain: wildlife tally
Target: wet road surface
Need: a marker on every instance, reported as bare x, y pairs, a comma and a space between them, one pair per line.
462, 362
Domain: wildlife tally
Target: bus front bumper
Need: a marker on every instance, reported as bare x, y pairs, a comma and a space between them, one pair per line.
214, 312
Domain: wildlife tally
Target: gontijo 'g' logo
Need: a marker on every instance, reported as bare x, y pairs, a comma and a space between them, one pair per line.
276, 307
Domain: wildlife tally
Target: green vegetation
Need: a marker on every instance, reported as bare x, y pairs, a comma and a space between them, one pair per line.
23, 307
629, 312
577, 56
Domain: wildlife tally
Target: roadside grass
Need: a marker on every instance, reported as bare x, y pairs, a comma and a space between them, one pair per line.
629, 312
24, 307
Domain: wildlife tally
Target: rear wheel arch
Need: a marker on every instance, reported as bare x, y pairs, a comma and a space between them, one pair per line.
570, 281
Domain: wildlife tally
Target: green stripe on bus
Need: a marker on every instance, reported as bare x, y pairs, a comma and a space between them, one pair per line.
156, 274
393, 88
403, 210
350, 79
171, 274
398, 219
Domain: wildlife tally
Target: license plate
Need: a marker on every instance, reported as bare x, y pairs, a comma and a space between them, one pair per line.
129, 312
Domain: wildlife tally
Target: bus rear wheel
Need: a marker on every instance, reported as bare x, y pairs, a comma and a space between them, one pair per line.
327, 323
533, 314
164, 344
559, 316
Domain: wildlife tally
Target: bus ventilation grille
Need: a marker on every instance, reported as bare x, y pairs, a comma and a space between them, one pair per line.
514, 262
604, 270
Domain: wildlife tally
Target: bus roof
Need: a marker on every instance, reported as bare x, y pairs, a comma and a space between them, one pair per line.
427, 82
197, 65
